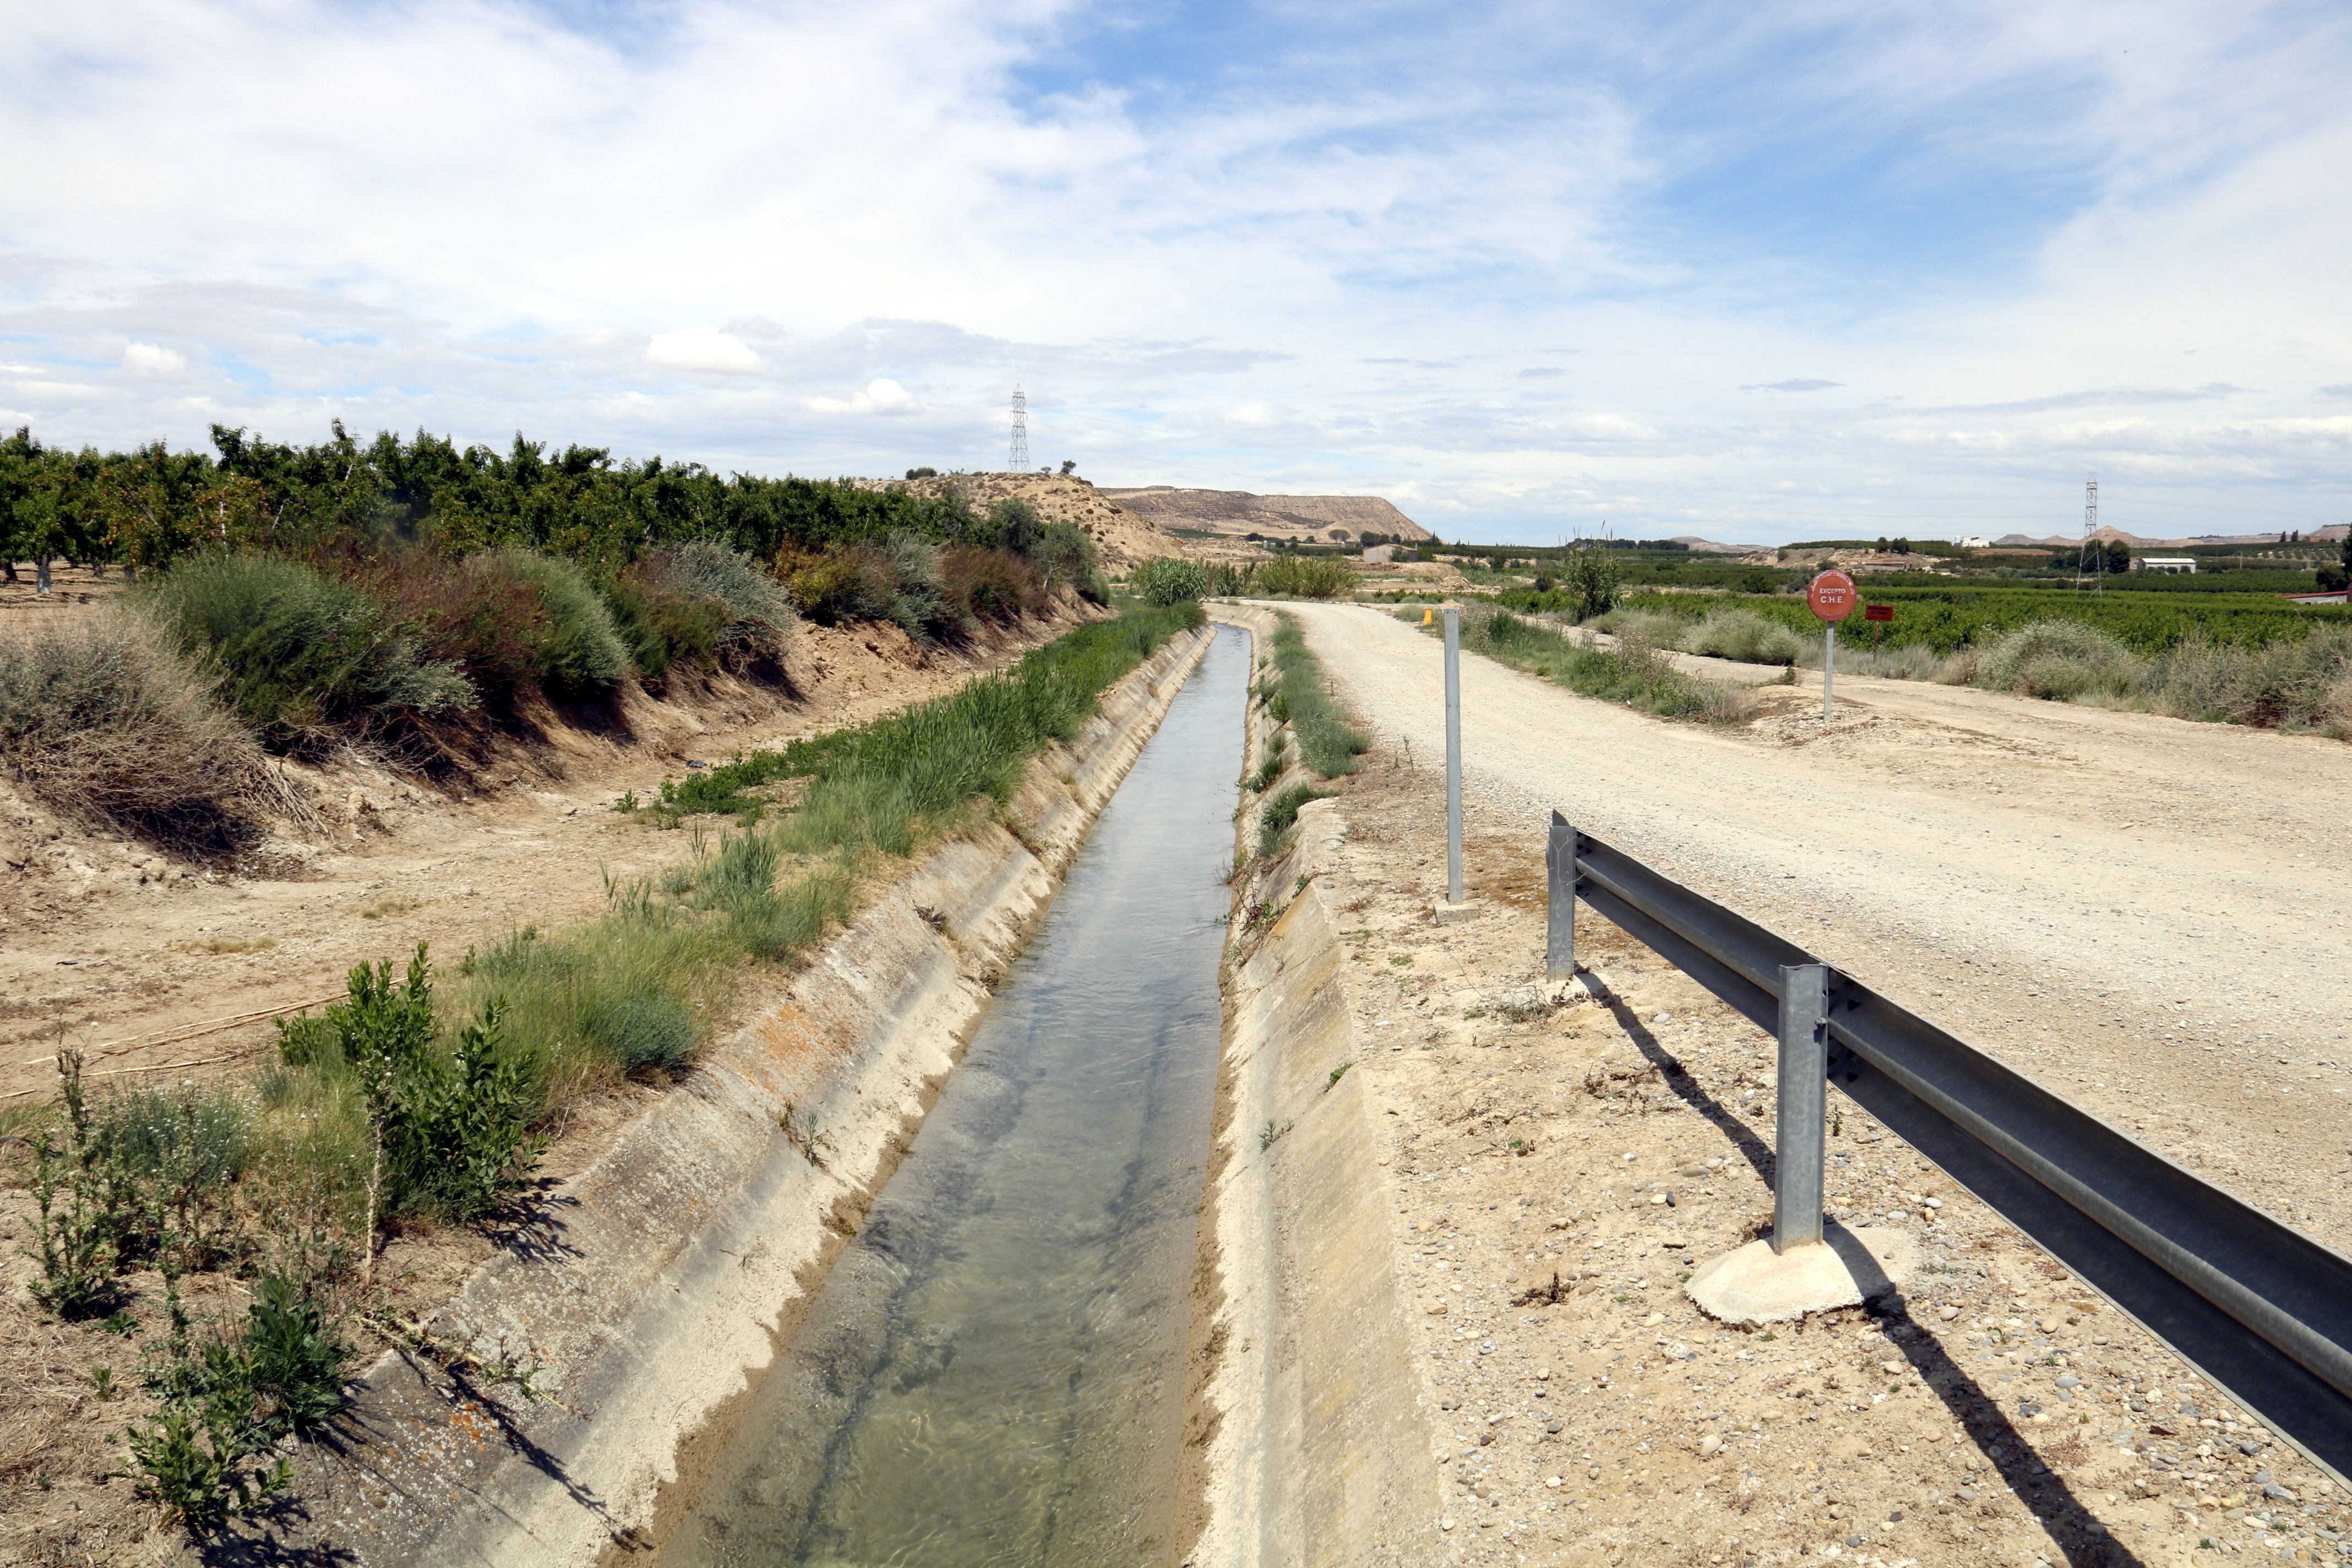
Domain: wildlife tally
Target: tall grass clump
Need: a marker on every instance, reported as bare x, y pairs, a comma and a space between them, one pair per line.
1165, 580
1634, 673
1282, 812
1745, 635
937, 755
1651, 628
1304, 577
882, 785
630, 991
2061, 660
302, 657
108, 723
2304, 685
1327, 741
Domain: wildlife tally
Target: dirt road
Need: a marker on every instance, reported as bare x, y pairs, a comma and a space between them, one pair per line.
2146, 914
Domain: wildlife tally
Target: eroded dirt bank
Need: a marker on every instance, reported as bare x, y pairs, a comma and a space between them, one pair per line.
1536, 1181
118, 945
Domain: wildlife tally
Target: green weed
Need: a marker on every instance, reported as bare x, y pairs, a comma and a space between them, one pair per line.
1282, 812
1327, 741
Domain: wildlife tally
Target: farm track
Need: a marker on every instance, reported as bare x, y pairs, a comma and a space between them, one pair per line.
2142, 913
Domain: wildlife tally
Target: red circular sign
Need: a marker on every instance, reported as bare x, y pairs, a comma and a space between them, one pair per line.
1832, 596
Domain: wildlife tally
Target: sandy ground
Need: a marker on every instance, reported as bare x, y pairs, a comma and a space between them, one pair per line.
2146, 914
1560, 1170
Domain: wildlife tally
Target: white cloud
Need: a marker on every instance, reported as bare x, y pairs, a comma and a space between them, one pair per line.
1326, 271
698, 350
882, 395
152, 361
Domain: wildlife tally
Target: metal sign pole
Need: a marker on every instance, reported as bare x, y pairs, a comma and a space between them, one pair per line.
1453, 754
1829, 670
1799, 1148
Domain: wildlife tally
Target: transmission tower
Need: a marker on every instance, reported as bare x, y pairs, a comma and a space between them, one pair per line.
1017, 457
2090, 527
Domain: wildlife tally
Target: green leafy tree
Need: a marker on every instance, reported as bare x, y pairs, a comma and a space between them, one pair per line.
1593, 577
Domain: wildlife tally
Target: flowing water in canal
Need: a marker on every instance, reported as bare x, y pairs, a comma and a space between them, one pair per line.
993, 1373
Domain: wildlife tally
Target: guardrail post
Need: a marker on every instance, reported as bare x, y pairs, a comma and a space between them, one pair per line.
1453, 754
1560, 901
1799, 1151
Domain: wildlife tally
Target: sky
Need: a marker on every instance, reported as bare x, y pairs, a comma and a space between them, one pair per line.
1758, 273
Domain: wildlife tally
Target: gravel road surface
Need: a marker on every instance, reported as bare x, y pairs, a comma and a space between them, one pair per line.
2147, 915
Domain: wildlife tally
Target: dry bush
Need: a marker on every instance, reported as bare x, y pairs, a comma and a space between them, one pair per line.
2301, 685
2061, 660
109, 724
1651, 628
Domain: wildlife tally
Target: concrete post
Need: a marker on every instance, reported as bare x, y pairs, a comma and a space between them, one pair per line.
1560, 901
1799, 1148
1453, 754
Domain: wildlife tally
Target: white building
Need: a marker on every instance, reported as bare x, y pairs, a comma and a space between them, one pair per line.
2173, 564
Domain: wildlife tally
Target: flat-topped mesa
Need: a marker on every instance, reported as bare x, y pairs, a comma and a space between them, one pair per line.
1336, 518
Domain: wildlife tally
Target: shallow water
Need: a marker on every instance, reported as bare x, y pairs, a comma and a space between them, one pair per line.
993, 1372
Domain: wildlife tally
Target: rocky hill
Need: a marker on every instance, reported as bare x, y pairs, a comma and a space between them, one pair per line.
1275, 517
1123, 537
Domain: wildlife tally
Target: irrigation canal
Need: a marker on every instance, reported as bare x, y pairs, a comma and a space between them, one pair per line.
993, 1372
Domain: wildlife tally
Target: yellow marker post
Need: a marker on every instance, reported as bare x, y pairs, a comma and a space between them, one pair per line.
1428, 617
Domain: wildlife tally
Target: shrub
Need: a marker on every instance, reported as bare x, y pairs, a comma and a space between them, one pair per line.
521, 624
919, 603
206, 1456
108, 723
2061, 660
2296, 685
1592, 576
986, 585
1304, 576
1745, 635
662, 627
576, 648
177, 1150
1165, 580
895, 580
1651, 628
451, 1129
759, 612
1064, 557
301, 656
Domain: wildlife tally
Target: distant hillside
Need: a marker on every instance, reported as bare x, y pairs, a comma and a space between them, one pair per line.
2110, 535
1276, 517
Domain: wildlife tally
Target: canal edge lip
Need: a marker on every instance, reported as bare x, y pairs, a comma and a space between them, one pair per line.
1275, 1464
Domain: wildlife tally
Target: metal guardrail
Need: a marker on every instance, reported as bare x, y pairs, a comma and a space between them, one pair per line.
2263, 1311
